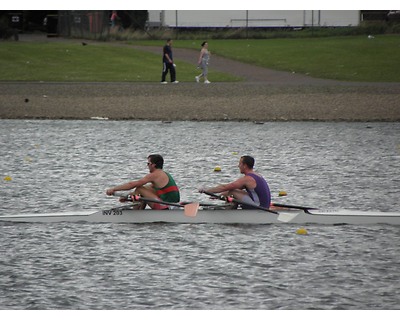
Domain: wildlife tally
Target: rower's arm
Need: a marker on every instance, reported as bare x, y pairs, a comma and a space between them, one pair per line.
130, 185
238, 184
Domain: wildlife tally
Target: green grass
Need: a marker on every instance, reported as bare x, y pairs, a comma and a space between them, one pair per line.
351, 58
55, 61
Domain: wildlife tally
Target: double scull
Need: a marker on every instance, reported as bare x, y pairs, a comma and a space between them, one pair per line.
213, 215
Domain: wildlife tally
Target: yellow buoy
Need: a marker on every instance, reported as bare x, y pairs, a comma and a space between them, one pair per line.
217, 169
302, 231
282, 193
7, 178
234, 153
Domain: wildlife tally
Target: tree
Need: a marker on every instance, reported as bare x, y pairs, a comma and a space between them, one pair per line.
133, 19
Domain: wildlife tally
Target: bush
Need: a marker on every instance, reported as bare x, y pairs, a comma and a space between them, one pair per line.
373, 27
365, 28
5, 31
394, 28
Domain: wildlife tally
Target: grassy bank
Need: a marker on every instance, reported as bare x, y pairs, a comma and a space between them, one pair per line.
71, 61
353, 58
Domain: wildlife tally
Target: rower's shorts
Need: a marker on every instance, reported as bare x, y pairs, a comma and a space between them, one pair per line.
249, 200
159, 206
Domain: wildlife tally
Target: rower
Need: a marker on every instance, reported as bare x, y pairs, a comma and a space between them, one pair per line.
252, 188
157, 184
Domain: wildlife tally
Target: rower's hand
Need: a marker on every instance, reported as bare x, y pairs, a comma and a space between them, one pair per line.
203, 190
130, 198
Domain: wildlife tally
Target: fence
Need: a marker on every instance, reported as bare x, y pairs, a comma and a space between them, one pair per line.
83, 23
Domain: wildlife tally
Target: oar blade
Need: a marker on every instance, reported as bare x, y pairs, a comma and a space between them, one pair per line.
287, 217
191, 209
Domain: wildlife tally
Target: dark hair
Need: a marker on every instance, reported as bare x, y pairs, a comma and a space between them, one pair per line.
249, 161
203, 43
157, 160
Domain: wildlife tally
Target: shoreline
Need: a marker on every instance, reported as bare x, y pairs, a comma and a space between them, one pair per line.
236, 101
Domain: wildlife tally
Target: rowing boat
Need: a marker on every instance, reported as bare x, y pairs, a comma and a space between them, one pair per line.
217, 216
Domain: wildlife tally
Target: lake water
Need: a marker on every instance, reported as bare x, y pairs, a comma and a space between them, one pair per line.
68, 165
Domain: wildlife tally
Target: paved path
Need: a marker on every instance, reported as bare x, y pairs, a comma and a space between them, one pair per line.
248, 72
252, 73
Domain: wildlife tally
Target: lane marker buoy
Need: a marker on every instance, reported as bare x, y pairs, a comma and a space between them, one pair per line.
217, 169
302, 231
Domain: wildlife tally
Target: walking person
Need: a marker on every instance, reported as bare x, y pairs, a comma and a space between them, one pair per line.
114, 19
204, 58
168, 63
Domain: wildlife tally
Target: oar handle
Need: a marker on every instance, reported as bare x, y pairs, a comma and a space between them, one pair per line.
135, 197
217, 196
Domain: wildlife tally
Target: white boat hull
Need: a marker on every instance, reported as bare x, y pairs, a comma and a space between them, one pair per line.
123, 215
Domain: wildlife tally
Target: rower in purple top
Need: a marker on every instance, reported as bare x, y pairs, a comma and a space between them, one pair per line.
251, 188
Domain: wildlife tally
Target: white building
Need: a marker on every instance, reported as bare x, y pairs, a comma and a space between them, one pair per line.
252, 18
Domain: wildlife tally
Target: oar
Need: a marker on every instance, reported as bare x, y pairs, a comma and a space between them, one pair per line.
281, 205
211, 206
230, 199
190, 209
282, 216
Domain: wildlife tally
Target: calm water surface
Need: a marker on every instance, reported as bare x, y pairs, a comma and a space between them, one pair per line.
67, 165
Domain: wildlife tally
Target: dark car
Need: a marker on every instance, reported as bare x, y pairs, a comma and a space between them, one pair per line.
393, 15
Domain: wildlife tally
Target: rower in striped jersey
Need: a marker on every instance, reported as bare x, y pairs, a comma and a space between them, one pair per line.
157, 184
